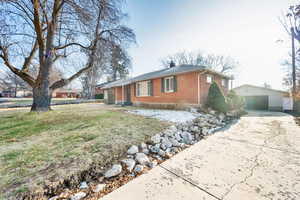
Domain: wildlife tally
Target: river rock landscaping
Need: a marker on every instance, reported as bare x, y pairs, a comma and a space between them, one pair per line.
141, 158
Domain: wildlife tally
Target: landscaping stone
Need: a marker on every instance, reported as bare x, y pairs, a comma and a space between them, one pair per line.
133, 150
155, 139
145, 151
154, 149
138, 168
78, 196
130, 163
177, 136
162, 153
174, 142
142, 158
152, 164
99, 187
174, 149
165, 143
114, 171
143, 145
187, 137
83, 185
168, 155
54, 198
157, 157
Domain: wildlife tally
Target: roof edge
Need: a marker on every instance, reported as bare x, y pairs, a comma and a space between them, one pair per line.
260, 87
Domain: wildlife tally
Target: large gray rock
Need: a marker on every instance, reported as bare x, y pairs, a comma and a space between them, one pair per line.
130, 163
174, 142
78, 196
155, 148
142, 158
133, 150
114, 171
165, 143
177, 136
187, 137
155, 139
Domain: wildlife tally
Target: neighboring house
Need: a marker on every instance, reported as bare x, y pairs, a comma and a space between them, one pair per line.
24, 93
66, 93
8, 93
179, 86
261, 98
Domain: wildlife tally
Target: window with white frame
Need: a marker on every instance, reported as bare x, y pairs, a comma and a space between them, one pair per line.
143, 88
224, 82
209, 79
169, 84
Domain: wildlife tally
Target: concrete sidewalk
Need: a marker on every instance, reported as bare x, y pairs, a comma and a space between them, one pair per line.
257, 158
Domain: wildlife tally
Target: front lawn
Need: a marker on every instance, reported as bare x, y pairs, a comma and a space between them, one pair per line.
55, 145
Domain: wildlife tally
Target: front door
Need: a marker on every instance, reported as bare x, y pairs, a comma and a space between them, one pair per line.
111, 96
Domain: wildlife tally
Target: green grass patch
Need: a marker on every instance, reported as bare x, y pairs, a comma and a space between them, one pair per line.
35, 147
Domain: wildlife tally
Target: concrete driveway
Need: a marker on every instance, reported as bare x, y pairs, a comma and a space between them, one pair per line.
256, 158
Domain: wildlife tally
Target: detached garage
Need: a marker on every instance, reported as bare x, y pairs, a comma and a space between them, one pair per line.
260, 98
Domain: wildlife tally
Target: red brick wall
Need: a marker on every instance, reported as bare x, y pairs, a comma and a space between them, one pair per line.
118, 94
187, 90
204, 87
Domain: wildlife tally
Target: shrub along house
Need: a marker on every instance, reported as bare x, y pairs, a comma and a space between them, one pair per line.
178, 86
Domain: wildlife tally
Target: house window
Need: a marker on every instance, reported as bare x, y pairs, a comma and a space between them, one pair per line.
143, 89
209, 79
224, 82
169, 84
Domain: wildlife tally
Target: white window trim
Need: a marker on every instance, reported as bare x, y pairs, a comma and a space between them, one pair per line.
136, 85
224, 82
209, 76
165, 84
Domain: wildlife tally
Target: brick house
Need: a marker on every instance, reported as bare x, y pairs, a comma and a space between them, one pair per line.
178, 86
66, 93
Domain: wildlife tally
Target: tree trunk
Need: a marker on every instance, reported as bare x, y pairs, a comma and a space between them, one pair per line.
41, 98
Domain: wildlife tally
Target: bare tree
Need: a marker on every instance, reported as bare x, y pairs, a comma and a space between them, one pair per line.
267, 85
291, 23
224, 64
11, 81
35, 32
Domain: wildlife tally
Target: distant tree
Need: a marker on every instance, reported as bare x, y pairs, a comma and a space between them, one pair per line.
10, 81
120, 62
266, 85
220, 63
216, 99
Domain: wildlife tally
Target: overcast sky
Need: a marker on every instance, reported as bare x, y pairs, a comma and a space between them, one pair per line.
246, 30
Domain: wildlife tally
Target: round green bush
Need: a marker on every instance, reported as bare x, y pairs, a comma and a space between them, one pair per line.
216, 99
